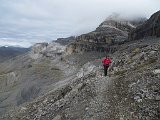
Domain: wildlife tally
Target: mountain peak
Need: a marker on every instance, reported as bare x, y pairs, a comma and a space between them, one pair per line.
113, 16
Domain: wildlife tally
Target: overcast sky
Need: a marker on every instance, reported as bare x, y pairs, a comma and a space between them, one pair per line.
25, 22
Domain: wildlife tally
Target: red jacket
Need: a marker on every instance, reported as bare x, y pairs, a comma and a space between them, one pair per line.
106, 61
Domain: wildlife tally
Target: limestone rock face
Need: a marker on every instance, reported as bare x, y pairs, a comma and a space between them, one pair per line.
46, 50
37, 50
150, 28
111, 32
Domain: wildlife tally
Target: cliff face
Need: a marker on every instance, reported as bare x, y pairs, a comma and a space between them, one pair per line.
65, 41
109, 33
46, 50
150, 28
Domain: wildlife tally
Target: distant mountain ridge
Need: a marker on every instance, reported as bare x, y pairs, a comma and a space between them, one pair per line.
8, 52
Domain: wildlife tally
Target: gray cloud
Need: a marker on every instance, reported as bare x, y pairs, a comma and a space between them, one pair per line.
45, 20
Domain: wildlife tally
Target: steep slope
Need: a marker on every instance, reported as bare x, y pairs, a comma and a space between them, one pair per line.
23, 79
26, 77
138, 87
150, 28
132, 92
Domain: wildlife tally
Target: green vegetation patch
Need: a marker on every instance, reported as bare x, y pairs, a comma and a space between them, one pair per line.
150, 61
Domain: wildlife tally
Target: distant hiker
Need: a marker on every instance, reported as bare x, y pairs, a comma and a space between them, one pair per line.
106, 62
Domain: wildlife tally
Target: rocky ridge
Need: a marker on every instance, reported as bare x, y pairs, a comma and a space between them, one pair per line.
65, 41
150, 28
105, 38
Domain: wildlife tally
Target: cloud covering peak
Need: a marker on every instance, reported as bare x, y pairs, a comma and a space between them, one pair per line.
46, 20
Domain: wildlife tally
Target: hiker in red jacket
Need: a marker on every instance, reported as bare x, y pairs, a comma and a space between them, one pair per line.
106, 62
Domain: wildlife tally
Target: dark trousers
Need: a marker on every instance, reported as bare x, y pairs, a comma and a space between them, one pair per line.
105, 69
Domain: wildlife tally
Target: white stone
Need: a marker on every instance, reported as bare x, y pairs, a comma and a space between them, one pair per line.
138, 99
23, 108
80, 73
157, 71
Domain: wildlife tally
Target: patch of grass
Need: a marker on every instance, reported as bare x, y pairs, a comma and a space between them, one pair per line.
150, 61
136, 50
5, 72
2, 81
130, 61
13, 86
42, 66
45, 70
